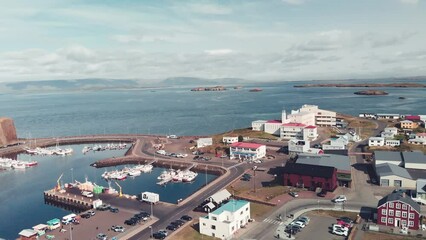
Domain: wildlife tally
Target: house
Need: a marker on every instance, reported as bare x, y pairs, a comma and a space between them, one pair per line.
208, 207
421, 136
392, 143
229, 140
292, 131
414, 160
388, 157
298, 146
258, 125
376, 142
407, 124
204, 142
220, 196
387, 116
391, 175
367, 115
273, 127
389, 132
340, 123
246, 151
417, 141
310, 133
28, 234
398, 210
310, 176
420, 191
340, 162
336, 143
412, 118
226, 220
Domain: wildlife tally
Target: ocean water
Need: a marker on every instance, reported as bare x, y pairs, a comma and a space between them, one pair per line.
182, 112
21, 191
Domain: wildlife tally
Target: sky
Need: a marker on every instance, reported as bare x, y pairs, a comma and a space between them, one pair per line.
258, 40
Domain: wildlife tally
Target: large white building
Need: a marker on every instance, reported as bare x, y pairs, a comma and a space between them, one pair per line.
246, 151
226, 220
292, 131
376, 142
322, 117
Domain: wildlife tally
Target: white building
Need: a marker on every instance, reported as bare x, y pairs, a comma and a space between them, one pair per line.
417, 141
229, 140
307, 118
273, 127
226, 220
376, 142
322, 117
247, 151
258, 125
310, 133
292, 131
391, 175
387, 116
392, 143
336, 143
204, 142
421, 136
298, 146
392, 130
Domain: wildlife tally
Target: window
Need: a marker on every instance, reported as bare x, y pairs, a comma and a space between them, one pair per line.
411, 223
384, 212
383, 220
241, 213
214, 218
391, 204
404, 206
390, 220
404, 223
204, 224
411, 216
247, 209
398, 213
390, 212
404, 214
213, 227
398, 205
233, 228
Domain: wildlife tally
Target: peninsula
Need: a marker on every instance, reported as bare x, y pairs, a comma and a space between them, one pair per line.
367, 85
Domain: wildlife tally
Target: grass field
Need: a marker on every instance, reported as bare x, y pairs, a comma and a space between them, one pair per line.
384, 236
336, 214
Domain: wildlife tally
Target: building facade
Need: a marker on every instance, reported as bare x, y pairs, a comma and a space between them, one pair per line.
376, 142
226, 220
247, 151
292, 131
407, 124
229, 140
310, 176
398, 210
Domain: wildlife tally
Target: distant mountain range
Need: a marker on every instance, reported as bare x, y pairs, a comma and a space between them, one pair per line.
79, 84
191, 81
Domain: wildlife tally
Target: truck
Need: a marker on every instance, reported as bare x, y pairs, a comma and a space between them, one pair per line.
150, 197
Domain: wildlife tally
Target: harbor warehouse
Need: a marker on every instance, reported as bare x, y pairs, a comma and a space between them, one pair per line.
247, 151
310, 176
226, 220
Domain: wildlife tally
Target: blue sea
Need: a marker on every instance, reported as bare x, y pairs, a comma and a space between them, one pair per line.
152, 111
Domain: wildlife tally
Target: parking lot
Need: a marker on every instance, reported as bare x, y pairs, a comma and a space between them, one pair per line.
318, 228
101, 222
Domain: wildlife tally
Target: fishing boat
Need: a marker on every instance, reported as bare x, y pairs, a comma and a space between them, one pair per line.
19, 165
31, 163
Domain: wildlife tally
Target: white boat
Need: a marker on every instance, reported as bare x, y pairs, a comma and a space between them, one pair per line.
31, 163
133, 172
19, 165
86, 149
189, 177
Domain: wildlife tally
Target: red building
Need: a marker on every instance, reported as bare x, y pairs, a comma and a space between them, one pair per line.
310, 176
398, 210
412, 118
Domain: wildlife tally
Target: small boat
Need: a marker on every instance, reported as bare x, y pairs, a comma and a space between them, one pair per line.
31, 163
133, 172
121, 176
19, 165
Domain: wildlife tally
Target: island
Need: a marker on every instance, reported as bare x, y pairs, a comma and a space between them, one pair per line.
367, 85
371, 92
217, 88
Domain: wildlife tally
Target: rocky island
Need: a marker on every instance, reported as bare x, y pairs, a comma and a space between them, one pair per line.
367, 85
201, 89
371, 92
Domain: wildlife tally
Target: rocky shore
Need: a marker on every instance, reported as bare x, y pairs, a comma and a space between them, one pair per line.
217, 88
367, 85
371, 92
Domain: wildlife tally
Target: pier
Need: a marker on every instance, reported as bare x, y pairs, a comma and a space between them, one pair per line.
68, 199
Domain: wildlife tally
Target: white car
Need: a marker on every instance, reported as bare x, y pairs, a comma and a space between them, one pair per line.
340, 227
340, 199
340, 232
162, 152
118, 228
298, 223
87, 194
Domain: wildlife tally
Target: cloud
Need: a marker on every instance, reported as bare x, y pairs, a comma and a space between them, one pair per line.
409, 1
325, 41
218, 52
294, 2
210, 9
141, 38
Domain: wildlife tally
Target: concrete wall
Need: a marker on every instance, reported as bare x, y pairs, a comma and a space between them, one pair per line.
7, 131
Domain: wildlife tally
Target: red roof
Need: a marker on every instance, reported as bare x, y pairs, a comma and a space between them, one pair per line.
294, 125
246, 145
412, 117
311, 127
421, 134
273, 121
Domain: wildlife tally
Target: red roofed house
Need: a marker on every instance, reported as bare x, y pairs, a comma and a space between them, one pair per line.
246, 151
412, 118
398, 210
310, 133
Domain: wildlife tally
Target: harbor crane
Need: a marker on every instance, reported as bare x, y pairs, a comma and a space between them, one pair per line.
120, 193
58, 186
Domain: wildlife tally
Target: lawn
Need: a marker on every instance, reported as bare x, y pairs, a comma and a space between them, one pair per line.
262, 193
336, 214
257, 210
384, 236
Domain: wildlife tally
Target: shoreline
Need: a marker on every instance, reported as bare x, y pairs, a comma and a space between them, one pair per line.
364, 85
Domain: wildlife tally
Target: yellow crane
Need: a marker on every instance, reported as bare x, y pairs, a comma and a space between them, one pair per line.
58, 187
120, 193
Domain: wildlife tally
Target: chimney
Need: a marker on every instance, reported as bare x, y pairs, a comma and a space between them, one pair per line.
403, 194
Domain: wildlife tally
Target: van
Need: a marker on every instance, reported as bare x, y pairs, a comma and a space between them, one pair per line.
68, 219
87, 194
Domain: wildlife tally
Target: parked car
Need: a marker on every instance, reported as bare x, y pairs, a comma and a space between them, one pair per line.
344, 224
114, 210
118, 228
130, 222
101, 236
337, 226
340, 232
305, 218
171, 227
293, 228
340, 199
159, 235
85, 215
306, 222
322, 194
294, 194
196, 157
163, 231
91, 212
345, 219
298, 223
104, 207
186, 218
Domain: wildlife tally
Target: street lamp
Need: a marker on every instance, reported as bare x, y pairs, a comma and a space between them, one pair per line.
150, 228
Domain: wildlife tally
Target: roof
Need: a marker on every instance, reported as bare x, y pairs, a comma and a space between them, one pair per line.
260, 121
387, 114
414, 157
311, 127
376, 139
406, 121
389, 169
421, 134
246, 145
40, 227
309, 170
210, 205
28, 233
412, 117
399, 197
294, 125
388, 156
231, 206
421, 186
339, 162
273, 121
220, 196
53, 221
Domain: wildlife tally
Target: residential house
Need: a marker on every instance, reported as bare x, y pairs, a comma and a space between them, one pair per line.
389, 133
336, 143
298, 146
226, 220
310, 133
391, 175
376, 142
408, 124
229, 140
387, 116
417, 141
292, 131
398, 210
392, 142
247, 151
216, 199
339, 162
310, 176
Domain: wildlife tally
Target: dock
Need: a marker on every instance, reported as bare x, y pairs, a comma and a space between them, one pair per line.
68, 199
189, 167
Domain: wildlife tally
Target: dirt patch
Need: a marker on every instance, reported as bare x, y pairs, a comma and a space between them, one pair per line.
257, 210
191, 232
384, 236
